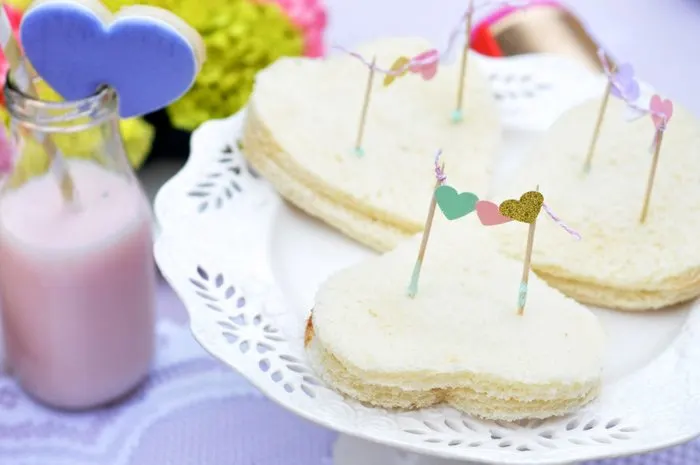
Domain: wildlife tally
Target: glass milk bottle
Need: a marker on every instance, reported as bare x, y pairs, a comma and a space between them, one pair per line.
77, 279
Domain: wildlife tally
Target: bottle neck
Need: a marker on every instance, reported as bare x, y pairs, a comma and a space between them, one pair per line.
48, 131
47, 116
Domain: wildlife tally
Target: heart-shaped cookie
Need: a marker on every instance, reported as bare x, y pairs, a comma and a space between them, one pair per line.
524, 210
453, 204
459, 340
662, 111
148, 55
301, 125
489, 215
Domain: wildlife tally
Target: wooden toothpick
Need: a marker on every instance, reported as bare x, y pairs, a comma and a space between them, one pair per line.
359, 151
598, 125
413, 285
457, 115
661, 112
652, 175
522, 292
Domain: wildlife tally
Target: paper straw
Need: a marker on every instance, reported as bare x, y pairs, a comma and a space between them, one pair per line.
24, 77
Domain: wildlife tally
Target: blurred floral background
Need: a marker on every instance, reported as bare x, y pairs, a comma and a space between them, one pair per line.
241, 36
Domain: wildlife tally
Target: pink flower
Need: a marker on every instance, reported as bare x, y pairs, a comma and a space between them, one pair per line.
309, 16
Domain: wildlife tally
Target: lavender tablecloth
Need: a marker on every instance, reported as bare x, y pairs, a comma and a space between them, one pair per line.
195, 411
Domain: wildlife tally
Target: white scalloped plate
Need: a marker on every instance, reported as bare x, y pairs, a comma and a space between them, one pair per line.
246, 266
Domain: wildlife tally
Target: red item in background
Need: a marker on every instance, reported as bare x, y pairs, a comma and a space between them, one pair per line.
540, 26
482, 41
15, 16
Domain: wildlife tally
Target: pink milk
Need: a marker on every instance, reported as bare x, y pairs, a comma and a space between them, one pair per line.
77, 287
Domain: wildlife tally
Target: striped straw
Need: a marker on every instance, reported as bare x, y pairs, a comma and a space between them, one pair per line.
24, 77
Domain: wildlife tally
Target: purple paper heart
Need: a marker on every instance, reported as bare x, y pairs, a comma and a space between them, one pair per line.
147, 61
625, 86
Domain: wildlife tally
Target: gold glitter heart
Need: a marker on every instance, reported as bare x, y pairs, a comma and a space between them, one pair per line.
400, 62
524, 210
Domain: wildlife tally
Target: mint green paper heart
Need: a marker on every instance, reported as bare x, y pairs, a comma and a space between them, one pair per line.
453, 204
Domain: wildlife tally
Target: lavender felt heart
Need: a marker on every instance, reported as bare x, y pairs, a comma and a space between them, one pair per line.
147, 61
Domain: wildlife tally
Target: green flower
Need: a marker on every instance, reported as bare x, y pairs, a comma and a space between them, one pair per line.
241, 37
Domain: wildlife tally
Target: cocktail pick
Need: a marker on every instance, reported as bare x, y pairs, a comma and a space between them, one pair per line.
524, 210
601, 114
621, 84
440, 178
359, 151
661, 112
23, 77
457, 115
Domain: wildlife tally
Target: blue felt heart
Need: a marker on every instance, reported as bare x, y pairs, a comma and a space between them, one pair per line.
76, 49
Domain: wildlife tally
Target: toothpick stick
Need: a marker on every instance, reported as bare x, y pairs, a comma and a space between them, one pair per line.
652, 175
23, 76
598, 125
457, 115
413, 285
522, 292
359, 151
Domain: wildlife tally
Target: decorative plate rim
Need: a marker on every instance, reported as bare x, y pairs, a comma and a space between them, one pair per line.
180, 232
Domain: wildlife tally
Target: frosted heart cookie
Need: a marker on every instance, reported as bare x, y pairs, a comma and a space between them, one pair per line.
302, 122
620, 263
148, 55
460, 340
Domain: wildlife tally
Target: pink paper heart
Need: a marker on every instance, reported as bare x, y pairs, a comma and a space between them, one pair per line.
662, 110
489, 214
429, 66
